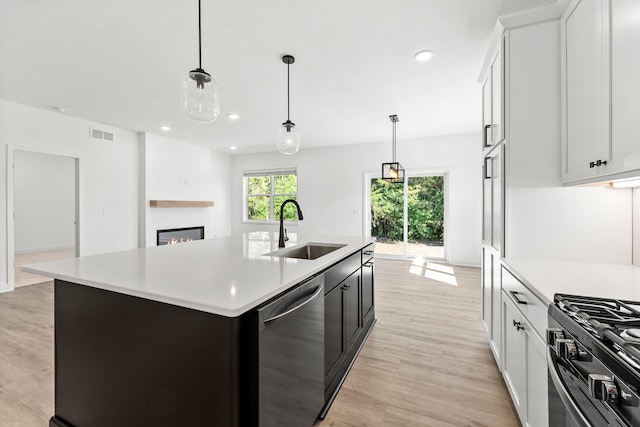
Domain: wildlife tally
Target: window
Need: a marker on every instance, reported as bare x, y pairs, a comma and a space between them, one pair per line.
266, 190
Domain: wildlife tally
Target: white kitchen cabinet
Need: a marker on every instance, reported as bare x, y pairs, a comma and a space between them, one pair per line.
493, 101
524, 361
513, 356
492, 243
491, 300
585, 133
492, 197
625, 84
600, 90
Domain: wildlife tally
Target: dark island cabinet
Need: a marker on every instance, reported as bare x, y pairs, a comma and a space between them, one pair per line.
333, 336
122, 360
348, 316
367, 282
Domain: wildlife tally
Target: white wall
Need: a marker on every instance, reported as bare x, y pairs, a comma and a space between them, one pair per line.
331, 186
44, 201
108, 170
176, 170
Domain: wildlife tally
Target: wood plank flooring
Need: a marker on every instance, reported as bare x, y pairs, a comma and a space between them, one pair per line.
22, 278
426, 363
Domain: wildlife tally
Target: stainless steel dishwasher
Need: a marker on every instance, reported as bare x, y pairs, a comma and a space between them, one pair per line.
291, 357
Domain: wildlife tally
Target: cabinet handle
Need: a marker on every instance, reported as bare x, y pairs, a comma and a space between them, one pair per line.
487, 171
518, 325
368, 264
597, 163
518, 300
484, 135
368, 252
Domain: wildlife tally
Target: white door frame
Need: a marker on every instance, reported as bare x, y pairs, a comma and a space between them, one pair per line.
79, 174
366, 208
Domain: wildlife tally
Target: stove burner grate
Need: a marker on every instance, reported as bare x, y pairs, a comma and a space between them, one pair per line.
601, 313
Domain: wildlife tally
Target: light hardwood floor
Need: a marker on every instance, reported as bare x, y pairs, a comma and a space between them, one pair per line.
426, 363
22, 278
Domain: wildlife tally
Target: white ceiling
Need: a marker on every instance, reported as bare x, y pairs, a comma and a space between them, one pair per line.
120, 62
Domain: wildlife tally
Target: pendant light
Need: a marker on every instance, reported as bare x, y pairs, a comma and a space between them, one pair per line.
288, 141
393, 171
200, 96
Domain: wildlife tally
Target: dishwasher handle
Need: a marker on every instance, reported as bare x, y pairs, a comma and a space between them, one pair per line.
296, 307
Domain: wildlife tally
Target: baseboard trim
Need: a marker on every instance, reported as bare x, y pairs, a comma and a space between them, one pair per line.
45, 249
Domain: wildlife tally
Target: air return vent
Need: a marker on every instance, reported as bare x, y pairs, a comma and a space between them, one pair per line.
101, 134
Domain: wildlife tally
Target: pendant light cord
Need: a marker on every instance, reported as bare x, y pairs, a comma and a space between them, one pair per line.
199, 37
288, 101
393, 138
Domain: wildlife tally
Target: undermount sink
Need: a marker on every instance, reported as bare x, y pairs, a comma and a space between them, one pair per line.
307, 251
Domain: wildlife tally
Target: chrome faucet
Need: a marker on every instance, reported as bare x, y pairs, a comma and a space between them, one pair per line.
282, 232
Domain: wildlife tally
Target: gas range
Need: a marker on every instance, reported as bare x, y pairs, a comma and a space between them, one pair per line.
594, 360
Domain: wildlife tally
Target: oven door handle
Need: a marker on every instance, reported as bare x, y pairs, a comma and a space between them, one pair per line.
566, 398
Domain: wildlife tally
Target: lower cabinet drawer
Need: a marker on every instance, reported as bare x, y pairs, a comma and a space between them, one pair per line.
532, 308
339, 272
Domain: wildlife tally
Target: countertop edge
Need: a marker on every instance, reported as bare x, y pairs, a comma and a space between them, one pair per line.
331, 260
538, 294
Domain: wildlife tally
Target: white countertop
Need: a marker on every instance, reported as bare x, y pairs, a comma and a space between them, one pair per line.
226, 276
546, 278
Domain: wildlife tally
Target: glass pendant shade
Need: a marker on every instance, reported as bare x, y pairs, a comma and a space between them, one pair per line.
288, 141
288, 138
200, 97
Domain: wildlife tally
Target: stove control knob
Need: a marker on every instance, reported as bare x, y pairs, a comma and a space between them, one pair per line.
570, 351
561, 344
603, 388
554, 334
610, 391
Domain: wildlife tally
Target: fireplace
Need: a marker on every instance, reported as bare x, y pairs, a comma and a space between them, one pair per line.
179, 235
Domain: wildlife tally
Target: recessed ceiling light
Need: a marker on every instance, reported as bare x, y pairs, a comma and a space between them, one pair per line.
233, 147
165, 128
233, 116
423, 55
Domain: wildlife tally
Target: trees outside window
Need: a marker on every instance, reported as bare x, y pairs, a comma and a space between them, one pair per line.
265, 192
424, 216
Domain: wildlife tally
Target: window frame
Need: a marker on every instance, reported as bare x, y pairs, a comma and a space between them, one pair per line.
271, 173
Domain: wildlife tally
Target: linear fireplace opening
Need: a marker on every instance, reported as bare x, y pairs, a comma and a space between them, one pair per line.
179, 235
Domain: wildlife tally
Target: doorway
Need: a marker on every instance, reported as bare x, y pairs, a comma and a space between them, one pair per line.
43, 217
408, 219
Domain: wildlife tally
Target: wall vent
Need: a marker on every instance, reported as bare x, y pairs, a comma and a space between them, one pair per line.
101, 134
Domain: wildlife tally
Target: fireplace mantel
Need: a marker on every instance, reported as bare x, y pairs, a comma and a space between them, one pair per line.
181, 203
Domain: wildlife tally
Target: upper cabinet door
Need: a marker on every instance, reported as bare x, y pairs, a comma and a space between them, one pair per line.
486, 113
493, 101
497, 133
584, 94
625, 83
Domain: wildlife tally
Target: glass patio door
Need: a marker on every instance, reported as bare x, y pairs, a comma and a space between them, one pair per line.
408, 219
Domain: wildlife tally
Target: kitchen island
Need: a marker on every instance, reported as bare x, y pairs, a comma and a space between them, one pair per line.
170, 335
